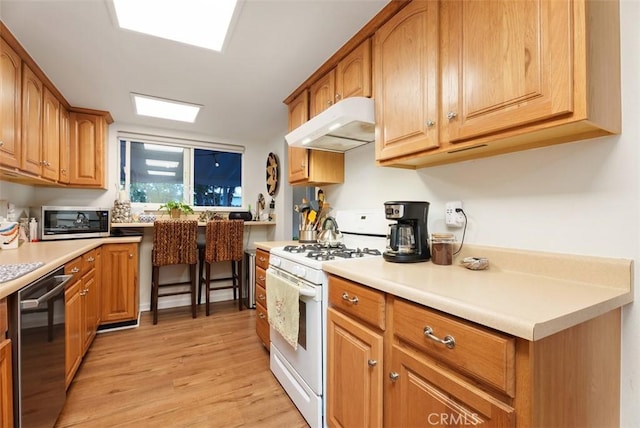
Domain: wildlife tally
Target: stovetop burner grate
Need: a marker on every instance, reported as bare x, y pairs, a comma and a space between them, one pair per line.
323, 252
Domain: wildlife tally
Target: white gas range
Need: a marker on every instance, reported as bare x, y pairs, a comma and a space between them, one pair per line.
302, 371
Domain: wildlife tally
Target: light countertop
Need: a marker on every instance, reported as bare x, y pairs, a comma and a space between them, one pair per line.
526, 294
268, 245
53, 254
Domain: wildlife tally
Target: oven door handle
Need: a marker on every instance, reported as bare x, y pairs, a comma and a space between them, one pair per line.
60, 281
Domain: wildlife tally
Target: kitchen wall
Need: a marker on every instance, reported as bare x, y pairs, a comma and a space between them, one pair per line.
580, 198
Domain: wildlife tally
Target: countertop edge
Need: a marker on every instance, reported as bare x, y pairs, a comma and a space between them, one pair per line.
200, 223
71, 249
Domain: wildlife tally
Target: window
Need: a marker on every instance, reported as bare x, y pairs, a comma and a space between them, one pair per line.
158, 171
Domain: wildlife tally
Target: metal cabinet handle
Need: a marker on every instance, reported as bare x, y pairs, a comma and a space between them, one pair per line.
338, 97
353, 300
83, 292
429, 123
1, 143
372, 363
75, 270
91, 259
261, 297
63, 171
302, 166
448, 340
451, 115
261, 315
393, 376
262, 278
329, 102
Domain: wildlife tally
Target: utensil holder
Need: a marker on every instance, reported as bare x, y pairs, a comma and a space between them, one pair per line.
307, 237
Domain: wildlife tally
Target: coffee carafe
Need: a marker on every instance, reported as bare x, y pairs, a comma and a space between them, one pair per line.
407, 238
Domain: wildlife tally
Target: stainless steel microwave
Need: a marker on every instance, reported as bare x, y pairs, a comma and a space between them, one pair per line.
56, 222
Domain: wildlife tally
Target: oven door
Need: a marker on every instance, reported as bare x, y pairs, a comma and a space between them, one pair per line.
307, 359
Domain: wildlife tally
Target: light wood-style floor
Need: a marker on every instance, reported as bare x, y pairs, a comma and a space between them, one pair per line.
183, 372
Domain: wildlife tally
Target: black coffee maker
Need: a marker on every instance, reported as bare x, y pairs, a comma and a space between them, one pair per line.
407, 240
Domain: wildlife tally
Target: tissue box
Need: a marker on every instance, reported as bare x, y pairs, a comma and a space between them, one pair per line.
9, 235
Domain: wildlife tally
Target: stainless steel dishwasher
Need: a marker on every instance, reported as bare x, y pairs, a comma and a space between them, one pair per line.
37, 329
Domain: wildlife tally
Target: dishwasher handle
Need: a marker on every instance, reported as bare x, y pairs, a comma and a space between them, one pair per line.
60, 280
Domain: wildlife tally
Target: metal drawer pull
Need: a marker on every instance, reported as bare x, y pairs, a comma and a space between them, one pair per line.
91, 259
372, 363
262, 278
261, 315
353, 300
448, 341
75, 270
261, 297
393, 376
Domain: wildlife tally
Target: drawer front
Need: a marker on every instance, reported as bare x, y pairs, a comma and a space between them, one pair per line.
357, 300
261, 295
262, 259
261, 276
478, 352
74, 267
262, 325
88, 260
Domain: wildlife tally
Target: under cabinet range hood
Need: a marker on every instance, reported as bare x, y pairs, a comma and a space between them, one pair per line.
343, 126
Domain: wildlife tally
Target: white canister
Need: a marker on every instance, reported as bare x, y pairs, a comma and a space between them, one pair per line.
9, 231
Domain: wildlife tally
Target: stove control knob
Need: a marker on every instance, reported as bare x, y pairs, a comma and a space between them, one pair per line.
275, 261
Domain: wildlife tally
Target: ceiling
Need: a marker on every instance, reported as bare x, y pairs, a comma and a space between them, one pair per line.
274, 46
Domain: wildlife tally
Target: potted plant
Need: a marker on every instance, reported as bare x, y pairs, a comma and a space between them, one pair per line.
176, 208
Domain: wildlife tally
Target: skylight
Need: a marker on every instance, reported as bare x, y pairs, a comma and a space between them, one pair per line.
202, 23
165, 109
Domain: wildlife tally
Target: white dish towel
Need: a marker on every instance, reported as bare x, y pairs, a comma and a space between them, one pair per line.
283, 308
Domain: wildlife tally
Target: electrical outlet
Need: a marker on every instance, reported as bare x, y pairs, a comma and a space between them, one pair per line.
451, 217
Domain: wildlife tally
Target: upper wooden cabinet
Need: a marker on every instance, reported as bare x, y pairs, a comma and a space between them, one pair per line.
511, 76
50, 136
32, 94
353, 73
11, 90
322, 93
406, 83
65, 145
35, 131
87, 147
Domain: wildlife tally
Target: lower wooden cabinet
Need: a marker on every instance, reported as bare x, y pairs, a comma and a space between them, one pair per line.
119, 291
354, 370
262, 320
6, 385
422, 393
82, 309
395, 363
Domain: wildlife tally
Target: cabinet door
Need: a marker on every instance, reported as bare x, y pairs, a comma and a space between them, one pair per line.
422, 393
74, 329
11, 90
87, 149
119, 285
505, 64
406, 79
92, 310
31, 122
6, 385
353, 74
321, 94
298, 157
354, 373
65, 141
50, 136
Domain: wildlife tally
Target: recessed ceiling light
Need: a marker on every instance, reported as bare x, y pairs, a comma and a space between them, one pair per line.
165, 109
203, 23
167, 173
161, 163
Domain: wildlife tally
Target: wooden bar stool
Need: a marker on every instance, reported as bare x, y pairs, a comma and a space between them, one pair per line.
174, 243
224, 243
